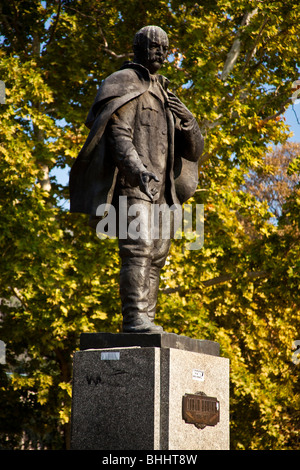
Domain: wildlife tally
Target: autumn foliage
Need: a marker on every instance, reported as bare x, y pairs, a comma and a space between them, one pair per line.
234, 64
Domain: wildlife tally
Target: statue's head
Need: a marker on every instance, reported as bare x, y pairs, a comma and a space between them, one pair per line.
150, 47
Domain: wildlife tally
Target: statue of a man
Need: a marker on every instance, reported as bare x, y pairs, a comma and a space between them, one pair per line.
144, 144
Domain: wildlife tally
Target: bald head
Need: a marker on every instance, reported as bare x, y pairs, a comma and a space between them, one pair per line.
154, 33
150, 47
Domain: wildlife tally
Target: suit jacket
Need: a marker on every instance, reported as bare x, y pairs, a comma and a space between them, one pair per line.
94, 173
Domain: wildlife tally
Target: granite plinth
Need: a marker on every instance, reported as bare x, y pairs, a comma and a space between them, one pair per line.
130, 397
128, 391
113, 400
155, 340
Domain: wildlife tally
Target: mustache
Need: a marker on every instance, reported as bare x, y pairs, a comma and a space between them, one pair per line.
157, 58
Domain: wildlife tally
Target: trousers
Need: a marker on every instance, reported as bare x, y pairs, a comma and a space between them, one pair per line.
143, 252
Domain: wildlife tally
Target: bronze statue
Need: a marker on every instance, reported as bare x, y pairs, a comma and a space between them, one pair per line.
144, 144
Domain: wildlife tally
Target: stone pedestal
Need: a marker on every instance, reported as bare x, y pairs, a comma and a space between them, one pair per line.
128, 392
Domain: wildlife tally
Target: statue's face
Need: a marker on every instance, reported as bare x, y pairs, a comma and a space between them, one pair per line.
154, 50
156, 54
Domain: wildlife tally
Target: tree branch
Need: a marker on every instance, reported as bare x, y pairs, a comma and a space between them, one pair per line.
108, 50
218, 280
105, 47
253, 51
228, 277
234, 52
19, 297
281, 111
117, 56
54, 24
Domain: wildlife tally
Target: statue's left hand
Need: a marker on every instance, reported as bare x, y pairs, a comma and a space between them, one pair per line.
145, 178
178, 108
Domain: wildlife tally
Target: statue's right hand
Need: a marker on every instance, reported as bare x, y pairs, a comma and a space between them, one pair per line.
145, 178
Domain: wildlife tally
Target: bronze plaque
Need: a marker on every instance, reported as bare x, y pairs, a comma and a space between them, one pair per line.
200, 410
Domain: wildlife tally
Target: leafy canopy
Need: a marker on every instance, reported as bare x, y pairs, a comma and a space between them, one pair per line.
234, 64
